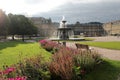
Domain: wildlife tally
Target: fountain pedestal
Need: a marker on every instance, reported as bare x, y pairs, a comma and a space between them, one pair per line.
63, 31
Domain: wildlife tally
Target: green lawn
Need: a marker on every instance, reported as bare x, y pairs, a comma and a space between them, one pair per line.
12, 52
109, 45
108, 70
89, 39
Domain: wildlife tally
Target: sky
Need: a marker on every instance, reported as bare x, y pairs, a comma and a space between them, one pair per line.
73, 10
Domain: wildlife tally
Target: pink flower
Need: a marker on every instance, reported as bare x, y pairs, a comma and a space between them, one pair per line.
11, 78
43, 41
18, 78
9, 70
1, 72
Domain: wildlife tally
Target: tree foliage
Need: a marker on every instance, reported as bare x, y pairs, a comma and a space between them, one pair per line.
3, 23
21, 25
16, 25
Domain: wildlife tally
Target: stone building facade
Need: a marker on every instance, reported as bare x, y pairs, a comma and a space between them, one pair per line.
112, 28
88, 29
45, 26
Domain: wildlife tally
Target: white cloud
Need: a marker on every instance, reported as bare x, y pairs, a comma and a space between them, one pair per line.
94, 11
31, 7
33, 1
91, 1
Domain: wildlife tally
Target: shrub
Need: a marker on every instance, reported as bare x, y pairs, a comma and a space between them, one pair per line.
87, 59
72, 64
10, 73
49, 45
62, 65
43, 42
34, 68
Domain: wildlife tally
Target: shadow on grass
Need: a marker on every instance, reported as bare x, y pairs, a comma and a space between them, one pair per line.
107, 70
7, 44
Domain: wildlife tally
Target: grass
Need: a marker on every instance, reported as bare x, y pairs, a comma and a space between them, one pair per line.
14, 51
110, 45
89, 39
108, 70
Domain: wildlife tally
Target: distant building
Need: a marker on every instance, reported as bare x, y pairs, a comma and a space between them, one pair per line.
45, 26
88, 29
112, 28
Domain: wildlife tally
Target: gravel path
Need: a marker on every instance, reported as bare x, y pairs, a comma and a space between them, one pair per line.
106, 38
106, 53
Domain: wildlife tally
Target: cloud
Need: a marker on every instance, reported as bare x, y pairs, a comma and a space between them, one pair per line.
102, 11
33, 1
74, 10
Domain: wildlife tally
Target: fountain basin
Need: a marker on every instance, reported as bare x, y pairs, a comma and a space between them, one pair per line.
70, 39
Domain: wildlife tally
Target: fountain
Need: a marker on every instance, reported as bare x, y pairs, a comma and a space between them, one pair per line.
64, 32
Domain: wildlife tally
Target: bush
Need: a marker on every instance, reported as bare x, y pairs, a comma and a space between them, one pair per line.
10, 73
43, 42
48, 45
34, 68
72, 64
62, 65
87, 59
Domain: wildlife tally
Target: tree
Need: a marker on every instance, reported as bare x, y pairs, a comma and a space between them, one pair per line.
3, 23
21, 25
13, 25
25, 26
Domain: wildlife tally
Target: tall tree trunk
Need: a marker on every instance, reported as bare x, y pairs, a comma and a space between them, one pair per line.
5, 36
13, 37
23, 38
29, 37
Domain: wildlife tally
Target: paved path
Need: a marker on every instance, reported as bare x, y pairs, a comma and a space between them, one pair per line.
106, 53
106, 38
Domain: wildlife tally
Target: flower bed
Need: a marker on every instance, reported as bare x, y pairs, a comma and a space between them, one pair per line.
10, 73
71, 64
49, 45
65, 64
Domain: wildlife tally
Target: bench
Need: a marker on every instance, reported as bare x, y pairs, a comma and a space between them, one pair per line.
82, 46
